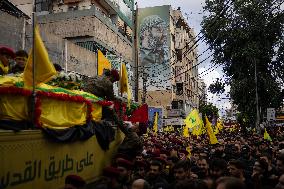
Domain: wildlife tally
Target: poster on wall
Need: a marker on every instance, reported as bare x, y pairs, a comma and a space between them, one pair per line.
154, 45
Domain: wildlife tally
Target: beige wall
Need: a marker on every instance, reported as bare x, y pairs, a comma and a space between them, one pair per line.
78, 59
158, 98
11, 33
89, 26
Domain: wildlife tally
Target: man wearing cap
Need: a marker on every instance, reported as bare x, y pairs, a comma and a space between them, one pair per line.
6, 55
112, 173
74, 182
125, 167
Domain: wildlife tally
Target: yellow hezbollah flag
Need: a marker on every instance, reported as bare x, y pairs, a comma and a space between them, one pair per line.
212, 137
189, 152
44, 69
155, 126
266, 136
220, 125
193, 119
124, 85
185, 131
103, 63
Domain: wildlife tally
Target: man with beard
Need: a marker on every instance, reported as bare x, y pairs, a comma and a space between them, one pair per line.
236, 169
280, 184
125, 168
140, 169
181, 171
219, 151
203, 167
218, 168
154, 175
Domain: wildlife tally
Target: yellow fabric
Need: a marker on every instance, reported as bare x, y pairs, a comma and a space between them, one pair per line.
266, 136
4, 68
155, 126
185, 132
13, 107
103, 63
97, 112
60, 115
44, 69
9, 80
193, 119
220, 125
198, 130
189, 152
212, 137
55, 113
124, 85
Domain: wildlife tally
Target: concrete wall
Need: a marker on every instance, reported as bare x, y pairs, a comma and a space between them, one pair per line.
78, 59
11, 33
69, 25
161, 98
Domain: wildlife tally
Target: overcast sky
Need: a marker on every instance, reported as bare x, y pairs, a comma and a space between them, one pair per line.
192, 11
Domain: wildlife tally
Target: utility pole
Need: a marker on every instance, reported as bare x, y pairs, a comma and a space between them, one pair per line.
145, 79
136, 53
256, 98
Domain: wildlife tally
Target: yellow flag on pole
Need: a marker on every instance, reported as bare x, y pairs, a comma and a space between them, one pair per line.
155, 125
212, 137
44, 69
124, 85
103, 63
185, 131
266, 136
189, 152
193, 119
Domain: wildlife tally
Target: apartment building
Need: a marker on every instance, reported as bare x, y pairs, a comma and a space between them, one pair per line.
93, 25
167, 51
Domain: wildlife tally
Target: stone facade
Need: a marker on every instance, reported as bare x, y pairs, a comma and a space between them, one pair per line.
12, 31
186, 79
86, 26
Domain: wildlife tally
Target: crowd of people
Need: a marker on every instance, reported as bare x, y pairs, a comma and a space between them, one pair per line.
11, 61
164, 161
167, 160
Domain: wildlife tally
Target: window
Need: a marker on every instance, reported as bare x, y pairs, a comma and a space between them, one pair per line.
43, 5
179, 89
179, 54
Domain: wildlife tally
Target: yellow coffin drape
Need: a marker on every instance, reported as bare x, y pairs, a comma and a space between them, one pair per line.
13, 107
57, 114
61, 114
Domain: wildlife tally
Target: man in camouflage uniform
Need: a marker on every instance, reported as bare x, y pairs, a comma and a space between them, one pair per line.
102, 86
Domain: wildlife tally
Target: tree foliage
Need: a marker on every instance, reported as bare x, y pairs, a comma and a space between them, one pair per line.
209, 110
217, 87
247, 35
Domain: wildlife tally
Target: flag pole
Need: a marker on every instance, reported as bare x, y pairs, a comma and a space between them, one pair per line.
33, 70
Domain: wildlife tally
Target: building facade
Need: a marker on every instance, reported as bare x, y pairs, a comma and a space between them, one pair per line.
166, 46
93, 25
13, 23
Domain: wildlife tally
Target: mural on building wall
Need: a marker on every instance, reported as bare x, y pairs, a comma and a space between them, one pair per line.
153, 32
154, 45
